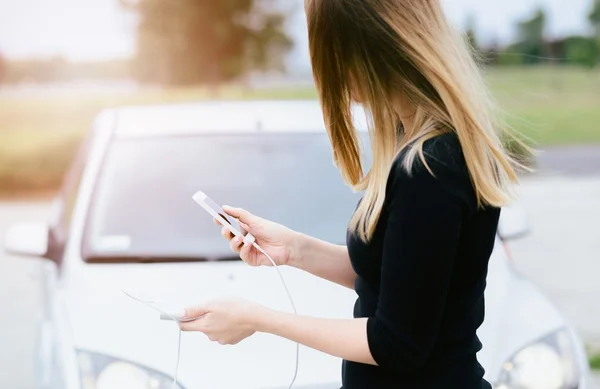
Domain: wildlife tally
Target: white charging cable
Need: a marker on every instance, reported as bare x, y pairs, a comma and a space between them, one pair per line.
249, 239
153, 305
289, 295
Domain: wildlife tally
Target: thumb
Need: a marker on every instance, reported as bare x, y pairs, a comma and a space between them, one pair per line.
242, 215
195, 312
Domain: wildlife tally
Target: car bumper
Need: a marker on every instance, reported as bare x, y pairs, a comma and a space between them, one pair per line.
586, 382
319, 386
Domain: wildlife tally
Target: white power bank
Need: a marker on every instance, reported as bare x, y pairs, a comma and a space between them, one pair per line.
226, 221
176, 316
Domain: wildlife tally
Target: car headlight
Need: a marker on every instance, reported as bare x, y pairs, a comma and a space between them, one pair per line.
547, 364
103, 372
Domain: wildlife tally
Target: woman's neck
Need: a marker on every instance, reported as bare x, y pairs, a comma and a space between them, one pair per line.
406, 114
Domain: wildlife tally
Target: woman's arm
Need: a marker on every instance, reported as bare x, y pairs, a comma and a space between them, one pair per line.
346, 338
325, 260
229, 321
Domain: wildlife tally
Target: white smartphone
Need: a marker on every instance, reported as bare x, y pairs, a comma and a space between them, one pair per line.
167, 311
217, 212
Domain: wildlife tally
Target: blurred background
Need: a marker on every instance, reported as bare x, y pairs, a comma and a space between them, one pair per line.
63, 61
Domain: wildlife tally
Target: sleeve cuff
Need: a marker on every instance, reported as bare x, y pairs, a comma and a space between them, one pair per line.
376, 344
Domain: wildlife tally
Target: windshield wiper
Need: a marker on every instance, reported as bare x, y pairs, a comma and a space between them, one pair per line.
157, 259
142, 259
226, 258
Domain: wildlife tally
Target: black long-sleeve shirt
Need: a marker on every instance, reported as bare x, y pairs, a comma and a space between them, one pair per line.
422, 276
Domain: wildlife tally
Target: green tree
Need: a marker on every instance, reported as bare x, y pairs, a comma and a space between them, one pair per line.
182, 42
580, 50
531, 37
511, 56
594, 18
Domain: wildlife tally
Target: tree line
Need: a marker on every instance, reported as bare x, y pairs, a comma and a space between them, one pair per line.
188, 42
533, 47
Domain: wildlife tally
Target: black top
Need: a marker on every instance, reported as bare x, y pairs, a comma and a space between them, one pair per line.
422, 276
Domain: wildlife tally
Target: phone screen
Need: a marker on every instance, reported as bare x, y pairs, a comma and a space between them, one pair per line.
225, 216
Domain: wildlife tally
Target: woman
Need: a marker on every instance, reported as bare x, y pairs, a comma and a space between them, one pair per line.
420, 240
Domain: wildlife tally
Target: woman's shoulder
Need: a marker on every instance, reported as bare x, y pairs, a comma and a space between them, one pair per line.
442, 154
443, 168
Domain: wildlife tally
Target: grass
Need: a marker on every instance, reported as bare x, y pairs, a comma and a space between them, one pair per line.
595, 362
38, 133
550, 106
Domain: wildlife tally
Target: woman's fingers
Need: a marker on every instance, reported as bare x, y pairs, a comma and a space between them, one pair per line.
195, 312
236, 244
242, 215
245, 251
234, 241
226, 233
244, 226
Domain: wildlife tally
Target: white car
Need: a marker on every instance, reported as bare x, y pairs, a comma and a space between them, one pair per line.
125, 220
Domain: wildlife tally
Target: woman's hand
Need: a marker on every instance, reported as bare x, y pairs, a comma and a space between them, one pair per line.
287, 247
280, 242
227, 321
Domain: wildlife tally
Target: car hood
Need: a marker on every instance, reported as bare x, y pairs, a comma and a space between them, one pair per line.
104, 320
516, 314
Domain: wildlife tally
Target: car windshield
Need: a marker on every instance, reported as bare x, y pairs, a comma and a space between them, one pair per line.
143, 208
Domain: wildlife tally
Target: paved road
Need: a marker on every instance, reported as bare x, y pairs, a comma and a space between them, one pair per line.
18, 303
575, 161
562, 254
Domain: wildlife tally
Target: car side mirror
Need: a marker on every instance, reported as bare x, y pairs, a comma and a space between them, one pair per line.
27, 239
513, 224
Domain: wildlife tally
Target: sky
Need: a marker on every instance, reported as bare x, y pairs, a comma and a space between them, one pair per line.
88, 30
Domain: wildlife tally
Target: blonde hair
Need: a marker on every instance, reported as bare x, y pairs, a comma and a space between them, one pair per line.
385, 49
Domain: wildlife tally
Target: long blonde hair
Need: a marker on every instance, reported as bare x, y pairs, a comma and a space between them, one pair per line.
389, 48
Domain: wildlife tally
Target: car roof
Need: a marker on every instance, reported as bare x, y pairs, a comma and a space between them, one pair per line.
284, 116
